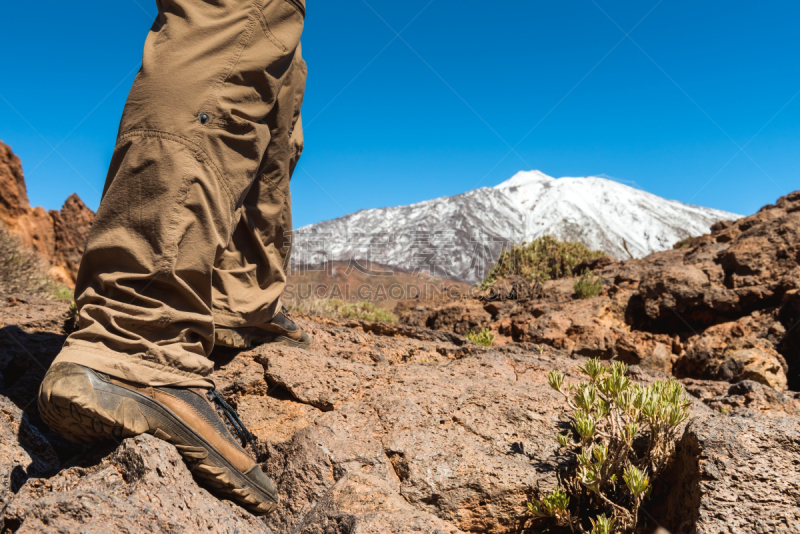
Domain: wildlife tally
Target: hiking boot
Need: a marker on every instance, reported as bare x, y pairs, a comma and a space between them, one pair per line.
88, 406
281, 330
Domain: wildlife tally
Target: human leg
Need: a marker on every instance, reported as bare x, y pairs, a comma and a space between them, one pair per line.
249, 276
191, 138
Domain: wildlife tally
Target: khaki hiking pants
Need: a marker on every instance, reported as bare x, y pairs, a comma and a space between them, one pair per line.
192, 230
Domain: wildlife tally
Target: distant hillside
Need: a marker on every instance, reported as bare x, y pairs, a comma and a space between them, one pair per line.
460, 237
383, 286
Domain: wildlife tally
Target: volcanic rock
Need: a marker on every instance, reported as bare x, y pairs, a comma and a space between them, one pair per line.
59, 236
138, 485
376, 428
734, 474
13, 194
722, 306
743, 359
752, 399
24, 452
787, 331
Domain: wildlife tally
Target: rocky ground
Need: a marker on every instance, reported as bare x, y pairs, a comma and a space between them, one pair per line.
723, 306
383, 428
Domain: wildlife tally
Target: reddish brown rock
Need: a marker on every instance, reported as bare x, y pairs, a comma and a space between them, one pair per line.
752, 399
13, 193
704, 389
722, 306
743, 266
593, 264
731, 352
142, 485
375, 428
59, 236
359, 503
787, 332
593, 327
71, 226
733, 474
463, 316
653, 351
677, 289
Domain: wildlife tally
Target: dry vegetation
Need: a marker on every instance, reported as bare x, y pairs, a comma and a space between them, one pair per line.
623, 435
340, 309
23, 272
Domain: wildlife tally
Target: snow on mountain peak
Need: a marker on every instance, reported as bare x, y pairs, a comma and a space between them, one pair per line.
523, 178
471, 229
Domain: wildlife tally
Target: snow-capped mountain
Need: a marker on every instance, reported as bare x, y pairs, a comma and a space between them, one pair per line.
461, 236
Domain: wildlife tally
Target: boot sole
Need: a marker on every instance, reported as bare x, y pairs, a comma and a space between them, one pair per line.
232, 338
85, 408
283, 340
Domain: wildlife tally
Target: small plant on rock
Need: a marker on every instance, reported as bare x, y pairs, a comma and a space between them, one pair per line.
554, 505
603, 525
73, 321
609, 414
484, 338
588, 285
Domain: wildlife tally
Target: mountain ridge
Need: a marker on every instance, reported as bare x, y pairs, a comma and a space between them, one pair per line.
460, 236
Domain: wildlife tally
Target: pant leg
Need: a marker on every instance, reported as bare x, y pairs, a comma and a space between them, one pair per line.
190, 142
249, 276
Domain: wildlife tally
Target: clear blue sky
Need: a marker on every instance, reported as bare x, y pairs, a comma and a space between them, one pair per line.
393, 120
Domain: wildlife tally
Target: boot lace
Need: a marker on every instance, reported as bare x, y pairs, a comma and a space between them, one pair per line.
233, 418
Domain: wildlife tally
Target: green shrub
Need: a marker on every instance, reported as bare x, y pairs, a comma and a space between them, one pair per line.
73, 321
366, 311
484, 338
588, 285
686, 242
603, 525
545, 258
554, 505
61, 292
608, 414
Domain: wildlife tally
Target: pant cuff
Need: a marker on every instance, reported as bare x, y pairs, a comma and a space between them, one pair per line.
128, 367
237, 320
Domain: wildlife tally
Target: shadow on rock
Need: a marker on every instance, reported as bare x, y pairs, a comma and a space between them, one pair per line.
24, 359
